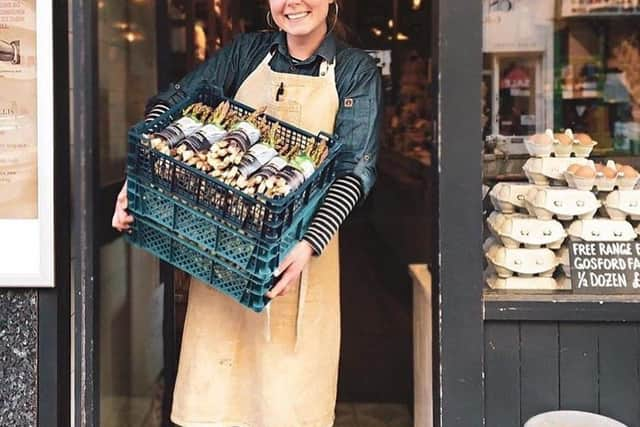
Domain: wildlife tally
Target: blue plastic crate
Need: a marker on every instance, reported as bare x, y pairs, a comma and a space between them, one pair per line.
257, 216
231, 245
200, 257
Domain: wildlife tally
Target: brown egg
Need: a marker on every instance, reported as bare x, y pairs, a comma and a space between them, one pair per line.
583, 139
629, 172
619, 167
563, 139
574, 168
609, 173
540, 139
585, 172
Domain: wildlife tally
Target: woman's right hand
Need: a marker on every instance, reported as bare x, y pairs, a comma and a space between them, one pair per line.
121, 220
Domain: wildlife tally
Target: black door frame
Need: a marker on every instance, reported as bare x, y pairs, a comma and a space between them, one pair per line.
83, 63
458, 386
458, 390
54, 344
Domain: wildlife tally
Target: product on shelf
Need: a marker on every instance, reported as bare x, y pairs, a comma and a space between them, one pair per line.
621, 204
527, 283
507, 197
514, 230
559, 144
550, 170
522, 262
601, 230
563, 203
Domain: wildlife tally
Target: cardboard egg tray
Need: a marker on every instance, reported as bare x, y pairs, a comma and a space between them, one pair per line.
548, 145
622, 204
508, 197
508, 262
516, 230
527, 283
600, 182
602, 230
562, 203
550, 170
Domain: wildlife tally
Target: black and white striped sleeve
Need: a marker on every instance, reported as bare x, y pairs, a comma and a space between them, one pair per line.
340, 200
155, 112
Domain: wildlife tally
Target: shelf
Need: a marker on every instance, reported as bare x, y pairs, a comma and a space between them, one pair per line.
582, 98
603, 14
560, 306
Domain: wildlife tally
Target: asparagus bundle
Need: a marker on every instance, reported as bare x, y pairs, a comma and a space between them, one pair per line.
193, 149
191, 121
264, 178
300, 168
225, 156
258, 156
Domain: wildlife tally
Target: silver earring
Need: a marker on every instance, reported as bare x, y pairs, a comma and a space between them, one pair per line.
270, 22
335, 20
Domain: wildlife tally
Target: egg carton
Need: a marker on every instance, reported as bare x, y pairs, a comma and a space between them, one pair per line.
564, 259
601, 182
514, 230
601, 230
508, 262
621, 204
550, 170
562, 203
509, 197
527, 283
547, 144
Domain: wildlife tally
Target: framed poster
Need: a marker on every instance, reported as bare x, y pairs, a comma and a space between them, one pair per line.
517, 25
26, 144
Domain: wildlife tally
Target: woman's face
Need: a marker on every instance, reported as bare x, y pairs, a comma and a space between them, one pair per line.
300, 18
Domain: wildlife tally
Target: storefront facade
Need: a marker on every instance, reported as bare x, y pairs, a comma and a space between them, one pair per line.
475, 81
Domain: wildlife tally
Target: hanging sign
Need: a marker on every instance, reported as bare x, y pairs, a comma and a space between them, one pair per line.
517, 25
26, 143
605, 267
599, 7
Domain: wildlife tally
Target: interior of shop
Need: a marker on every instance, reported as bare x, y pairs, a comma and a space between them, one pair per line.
145, 44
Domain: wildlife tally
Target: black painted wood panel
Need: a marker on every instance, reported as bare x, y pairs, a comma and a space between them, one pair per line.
502, 374
618, 366
579, 366
540, 371
533, 367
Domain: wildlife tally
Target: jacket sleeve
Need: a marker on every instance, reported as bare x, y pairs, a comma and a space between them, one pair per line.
358, 127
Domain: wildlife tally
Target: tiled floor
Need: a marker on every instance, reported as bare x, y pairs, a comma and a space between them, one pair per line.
372, 415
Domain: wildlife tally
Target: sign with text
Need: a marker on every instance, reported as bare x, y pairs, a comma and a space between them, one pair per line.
26, 144
605, 267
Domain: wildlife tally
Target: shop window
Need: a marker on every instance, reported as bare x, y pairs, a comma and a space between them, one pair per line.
561, 129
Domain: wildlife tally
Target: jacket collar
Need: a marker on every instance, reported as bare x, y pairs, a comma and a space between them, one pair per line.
326, 50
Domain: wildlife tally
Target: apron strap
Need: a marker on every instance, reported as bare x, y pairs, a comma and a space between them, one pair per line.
302, 296
267, 324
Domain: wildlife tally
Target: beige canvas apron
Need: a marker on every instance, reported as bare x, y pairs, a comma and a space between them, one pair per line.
232, 373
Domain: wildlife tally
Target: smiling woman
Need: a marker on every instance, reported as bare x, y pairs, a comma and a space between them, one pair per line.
280, 368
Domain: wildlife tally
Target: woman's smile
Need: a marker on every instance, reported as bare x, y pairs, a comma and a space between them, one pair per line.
297, 16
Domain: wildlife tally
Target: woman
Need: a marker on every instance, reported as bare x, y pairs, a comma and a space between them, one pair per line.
279, 369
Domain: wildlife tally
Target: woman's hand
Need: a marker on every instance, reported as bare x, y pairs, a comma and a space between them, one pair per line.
121, 219
291, 268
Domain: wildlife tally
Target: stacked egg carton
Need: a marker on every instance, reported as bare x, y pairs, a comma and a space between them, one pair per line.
562, 198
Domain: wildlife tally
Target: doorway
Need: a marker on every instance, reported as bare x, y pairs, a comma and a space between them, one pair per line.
391, 230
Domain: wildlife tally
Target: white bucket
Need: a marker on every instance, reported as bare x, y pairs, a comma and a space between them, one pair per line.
571, 419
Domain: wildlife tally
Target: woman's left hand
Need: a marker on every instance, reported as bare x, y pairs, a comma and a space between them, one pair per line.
291, 268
